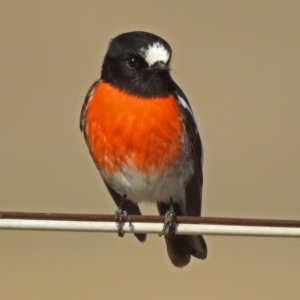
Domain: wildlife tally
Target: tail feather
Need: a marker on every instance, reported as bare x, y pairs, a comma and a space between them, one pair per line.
198, 246
182, 247
179, 250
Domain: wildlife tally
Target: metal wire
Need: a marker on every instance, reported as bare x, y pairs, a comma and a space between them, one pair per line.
149, 224
148, 219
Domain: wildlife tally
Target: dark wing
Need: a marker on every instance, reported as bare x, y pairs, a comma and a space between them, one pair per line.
193, 189
130, 207
180, 248
85, 105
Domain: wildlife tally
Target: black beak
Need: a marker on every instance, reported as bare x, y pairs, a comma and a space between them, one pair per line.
159, 67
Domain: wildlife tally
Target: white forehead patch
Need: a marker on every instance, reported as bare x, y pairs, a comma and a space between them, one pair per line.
156, 52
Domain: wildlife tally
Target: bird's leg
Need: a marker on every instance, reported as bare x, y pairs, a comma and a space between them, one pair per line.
120, 217
169, 228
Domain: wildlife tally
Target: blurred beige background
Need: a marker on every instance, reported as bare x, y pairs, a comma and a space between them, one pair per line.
238, 63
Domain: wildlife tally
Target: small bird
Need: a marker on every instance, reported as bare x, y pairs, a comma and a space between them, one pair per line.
142, 135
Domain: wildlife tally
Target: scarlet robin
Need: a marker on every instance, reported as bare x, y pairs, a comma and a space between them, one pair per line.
143, 138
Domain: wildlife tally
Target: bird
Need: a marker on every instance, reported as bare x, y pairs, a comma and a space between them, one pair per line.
143, 138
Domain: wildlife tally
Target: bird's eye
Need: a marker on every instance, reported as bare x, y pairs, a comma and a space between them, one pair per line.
132, 63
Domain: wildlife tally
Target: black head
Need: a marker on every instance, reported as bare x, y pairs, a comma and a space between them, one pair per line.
138, 62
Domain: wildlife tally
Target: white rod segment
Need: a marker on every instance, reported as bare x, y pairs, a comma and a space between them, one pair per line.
155, 228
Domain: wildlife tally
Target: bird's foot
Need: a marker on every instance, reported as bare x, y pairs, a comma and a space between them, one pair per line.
169, 229
120, 217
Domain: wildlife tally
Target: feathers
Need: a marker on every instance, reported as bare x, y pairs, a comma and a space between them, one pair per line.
143, 137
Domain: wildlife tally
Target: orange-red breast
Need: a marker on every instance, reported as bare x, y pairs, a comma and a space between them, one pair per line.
143, 138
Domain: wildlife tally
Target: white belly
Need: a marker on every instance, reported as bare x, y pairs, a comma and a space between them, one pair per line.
142, 187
